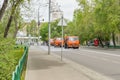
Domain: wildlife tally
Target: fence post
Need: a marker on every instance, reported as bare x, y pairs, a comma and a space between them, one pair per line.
13, 76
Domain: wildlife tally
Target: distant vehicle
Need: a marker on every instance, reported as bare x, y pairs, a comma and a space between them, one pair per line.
94, 42
90, 43
58, 42
52, 42
71, 42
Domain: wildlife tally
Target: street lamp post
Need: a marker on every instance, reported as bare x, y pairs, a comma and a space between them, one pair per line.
43, 5
38, 25
49, 31
62, 38
38, 17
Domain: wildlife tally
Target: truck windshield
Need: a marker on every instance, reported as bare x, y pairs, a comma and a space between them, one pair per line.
73, 38
59, 39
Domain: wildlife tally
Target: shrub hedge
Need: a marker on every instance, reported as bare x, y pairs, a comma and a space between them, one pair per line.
9, 57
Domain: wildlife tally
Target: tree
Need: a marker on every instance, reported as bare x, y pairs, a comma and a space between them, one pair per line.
114, 18
44, 31
107, 17
2, 10
96, 19
55, 30
33, 28
15, 4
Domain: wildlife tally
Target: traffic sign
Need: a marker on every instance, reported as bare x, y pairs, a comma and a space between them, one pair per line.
62, 24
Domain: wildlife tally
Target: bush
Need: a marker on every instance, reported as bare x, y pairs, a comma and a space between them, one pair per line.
9, 57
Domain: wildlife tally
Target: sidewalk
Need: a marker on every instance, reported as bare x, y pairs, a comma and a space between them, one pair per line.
41, 66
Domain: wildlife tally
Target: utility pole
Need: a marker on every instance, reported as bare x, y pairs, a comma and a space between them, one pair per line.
62, 38
39, 22
38, 26
49, 31
38, 18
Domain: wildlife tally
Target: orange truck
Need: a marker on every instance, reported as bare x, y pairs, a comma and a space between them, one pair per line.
52, 42
71, 42
58, 42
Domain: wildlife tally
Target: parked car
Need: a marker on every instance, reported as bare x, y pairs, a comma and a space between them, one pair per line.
90, 43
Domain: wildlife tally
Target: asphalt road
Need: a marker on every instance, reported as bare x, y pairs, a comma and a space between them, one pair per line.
104, 61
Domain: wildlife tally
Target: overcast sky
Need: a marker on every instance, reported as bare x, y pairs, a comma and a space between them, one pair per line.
67, 6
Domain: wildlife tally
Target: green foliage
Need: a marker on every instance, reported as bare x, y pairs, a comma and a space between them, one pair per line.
6, 45
32, 28
13, 9
9, 57
8, 63
95, 18
44, 31
55, 30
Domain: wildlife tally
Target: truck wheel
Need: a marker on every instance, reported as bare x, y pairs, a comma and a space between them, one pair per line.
55, 46
77, 47
66, 46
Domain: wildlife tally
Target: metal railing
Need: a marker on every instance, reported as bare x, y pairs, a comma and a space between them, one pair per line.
18, 71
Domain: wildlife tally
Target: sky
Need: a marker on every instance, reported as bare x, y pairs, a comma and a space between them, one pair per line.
67, 6
1, 2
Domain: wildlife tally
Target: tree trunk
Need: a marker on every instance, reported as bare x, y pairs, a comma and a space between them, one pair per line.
16, 28
8, 26
2, 10
100, 41
10, 18
113, 39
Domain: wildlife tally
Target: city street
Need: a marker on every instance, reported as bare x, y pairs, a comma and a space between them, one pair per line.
104, 61
59, 40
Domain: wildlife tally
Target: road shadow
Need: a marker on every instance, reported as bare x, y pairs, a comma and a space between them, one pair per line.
41, 60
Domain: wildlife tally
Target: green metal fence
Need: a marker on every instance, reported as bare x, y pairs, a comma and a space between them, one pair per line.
18, 71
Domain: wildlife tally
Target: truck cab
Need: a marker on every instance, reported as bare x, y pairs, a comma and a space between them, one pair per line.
58, 42
71, 42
